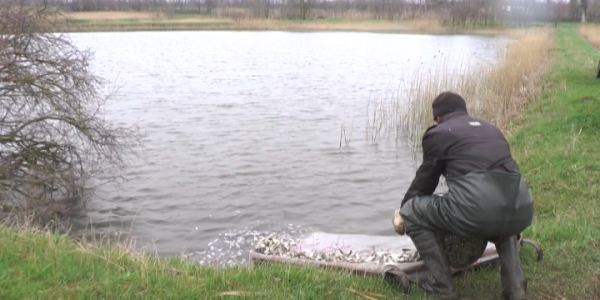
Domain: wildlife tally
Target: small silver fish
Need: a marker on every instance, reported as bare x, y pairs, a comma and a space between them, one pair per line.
273, 245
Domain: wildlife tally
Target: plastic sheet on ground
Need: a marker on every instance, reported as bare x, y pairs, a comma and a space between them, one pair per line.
328, 242
362, 244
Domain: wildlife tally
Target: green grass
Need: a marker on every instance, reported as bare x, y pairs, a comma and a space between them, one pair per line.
555, 141
556, 144
44, 266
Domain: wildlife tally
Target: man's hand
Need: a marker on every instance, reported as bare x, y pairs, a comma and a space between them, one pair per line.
398, 222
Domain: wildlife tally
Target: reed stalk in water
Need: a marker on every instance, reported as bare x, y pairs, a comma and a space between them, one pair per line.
494, 93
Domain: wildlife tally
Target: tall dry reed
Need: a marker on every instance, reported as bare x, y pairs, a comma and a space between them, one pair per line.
591, 32
494, 93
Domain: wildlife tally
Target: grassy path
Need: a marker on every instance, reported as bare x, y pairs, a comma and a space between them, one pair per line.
558, 146
556, 142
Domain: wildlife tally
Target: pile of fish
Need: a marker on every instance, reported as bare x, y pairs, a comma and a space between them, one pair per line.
286, 247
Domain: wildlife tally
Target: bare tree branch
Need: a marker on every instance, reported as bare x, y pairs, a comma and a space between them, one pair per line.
54, 141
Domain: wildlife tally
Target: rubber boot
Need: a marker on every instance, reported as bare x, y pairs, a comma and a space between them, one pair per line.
514, 283
438, 283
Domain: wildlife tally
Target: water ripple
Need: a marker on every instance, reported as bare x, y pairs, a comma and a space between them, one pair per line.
241, 132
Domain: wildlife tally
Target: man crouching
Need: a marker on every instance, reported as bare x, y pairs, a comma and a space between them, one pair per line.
487, 197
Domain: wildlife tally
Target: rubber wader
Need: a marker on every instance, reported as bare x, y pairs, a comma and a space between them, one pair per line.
514, 283
490, 205
438, 282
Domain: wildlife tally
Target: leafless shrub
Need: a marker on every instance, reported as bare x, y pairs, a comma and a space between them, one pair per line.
55, 144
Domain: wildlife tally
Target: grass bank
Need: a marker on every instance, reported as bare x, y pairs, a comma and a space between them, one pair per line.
131, 21
555, 139
557, 144
39, 265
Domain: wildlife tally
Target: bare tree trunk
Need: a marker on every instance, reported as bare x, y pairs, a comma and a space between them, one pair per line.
304, 8
267, 8
210, 5
556, 15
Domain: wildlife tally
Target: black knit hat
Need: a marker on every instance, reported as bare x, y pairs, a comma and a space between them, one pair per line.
446, 103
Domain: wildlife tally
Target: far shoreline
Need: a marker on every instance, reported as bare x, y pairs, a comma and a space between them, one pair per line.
140, 22
496, 32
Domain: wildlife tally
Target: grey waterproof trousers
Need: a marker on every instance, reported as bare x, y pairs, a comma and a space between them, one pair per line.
482, 204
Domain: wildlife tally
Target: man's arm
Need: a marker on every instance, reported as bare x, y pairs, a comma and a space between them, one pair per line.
428, 174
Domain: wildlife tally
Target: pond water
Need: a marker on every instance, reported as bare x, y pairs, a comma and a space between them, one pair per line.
243, 133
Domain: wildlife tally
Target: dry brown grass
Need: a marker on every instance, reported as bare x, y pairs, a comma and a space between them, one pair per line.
197, 20
495, 93
374, 26
233, 20
111, 15
591, 32
316, 13
517, 79
99, 17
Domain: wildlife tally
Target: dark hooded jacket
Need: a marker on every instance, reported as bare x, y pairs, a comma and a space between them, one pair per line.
459, 146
